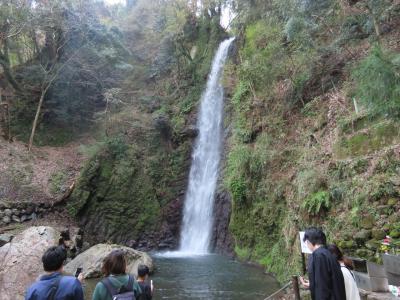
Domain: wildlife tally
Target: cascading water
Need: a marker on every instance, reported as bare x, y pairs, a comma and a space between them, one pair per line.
199, 201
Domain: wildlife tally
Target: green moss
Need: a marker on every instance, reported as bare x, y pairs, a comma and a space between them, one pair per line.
58, 182
378, 136
242, 253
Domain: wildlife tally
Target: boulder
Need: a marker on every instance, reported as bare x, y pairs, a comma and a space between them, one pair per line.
364, 253
8, 212
6, 220
190, 132
21, 262
373, 244
392, 202
378, 234
393, 218
367, 222
363, 235
16, 219
92, 259
32, 216
5, 238
347, 244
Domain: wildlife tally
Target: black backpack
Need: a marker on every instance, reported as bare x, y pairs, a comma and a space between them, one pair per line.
126, 292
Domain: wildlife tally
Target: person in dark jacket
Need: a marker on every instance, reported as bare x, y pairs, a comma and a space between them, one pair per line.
147, 289
53, 285
325, 277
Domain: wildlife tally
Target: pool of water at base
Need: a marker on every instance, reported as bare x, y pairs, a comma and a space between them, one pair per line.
211, 277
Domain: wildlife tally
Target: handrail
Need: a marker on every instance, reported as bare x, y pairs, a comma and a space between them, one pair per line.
280, 290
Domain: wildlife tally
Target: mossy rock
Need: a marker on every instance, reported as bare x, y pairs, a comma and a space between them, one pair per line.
378, 234
394, 218
362, 143
348, 236
365, 253
363, 235
384, 209
347, 244
392, 201
373, 244
367, 222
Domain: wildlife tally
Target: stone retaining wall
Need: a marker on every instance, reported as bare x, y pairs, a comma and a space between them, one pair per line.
22, 211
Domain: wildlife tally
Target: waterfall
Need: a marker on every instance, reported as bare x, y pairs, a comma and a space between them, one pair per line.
199, 200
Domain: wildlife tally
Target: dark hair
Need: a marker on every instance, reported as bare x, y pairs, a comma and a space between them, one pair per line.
114, 263
315, 236
143, 270
54, 258
339, 256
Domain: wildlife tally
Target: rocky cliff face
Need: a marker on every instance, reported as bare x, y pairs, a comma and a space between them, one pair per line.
130, 196
222, 240
131, 191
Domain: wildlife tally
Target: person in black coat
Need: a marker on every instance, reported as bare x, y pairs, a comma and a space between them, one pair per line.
325, 277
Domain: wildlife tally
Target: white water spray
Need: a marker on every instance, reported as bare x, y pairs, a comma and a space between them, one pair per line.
199, 201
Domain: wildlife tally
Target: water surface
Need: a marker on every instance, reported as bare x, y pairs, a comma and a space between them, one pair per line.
211, 277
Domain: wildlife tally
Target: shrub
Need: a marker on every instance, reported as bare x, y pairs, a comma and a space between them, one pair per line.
309, 181
237, 187
317, 202
378, 82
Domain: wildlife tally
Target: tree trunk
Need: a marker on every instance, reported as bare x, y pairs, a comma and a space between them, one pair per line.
377, 29
35, 121
375, 21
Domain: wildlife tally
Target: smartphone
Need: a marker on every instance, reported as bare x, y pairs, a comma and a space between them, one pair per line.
78, 271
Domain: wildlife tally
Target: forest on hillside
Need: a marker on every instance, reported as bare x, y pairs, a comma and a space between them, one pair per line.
311, 126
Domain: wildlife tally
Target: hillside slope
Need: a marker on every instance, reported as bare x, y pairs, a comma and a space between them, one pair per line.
315, 136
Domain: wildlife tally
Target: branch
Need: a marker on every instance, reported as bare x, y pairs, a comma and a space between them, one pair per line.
15, 33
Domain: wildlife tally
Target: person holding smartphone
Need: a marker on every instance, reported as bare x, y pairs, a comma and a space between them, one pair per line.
53, 285
325, 277
147, 289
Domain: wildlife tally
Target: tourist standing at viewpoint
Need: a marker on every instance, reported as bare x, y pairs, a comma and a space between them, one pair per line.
346, 266
146, 287
54, 286
116, 280
325, 277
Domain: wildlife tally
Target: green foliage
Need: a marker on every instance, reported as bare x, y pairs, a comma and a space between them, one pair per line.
263, 49
317, 202
238, 166
80, 59
378, 82
297, 31
242, 253
308, 182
